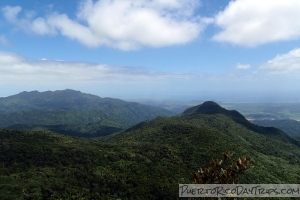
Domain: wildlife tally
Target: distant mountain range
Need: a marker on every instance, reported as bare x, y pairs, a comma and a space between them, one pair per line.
72, 112
145, 161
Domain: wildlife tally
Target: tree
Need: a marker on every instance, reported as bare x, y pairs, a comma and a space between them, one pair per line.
219, 172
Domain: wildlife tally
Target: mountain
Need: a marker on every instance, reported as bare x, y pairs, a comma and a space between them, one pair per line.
208, 107
211, 108
145, 161
203, 131
212, 116
73, 112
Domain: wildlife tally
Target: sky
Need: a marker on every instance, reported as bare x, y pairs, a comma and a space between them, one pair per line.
230, 51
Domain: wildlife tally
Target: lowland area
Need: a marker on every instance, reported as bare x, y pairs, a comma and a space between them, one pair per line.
71, 145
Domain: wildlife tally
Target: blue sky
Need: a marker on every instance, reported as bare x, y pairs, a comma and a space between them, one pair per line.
232, 51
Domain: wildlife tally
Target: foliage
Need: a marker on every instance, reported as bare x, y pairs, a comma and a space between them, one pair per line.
289, 126
72, 112
217, 173
146, 161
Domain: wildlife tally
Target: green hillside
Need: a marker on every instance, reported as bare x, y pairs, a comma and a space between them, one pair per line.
289, 126
70, 112
146, 161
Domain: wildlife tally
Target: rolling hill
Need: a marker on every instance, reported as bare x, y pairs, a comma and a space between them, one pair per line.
145, 161
72, 112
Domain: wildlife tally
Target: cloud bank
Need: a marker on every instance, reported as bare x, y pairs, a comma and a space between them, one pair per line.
122, 24
288, 63
14, 68
18, 73
255, 22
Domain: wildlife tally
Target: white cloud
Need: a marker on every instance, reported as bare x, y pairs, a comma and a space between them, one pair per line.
283, 64
7, 59
123, 24
256, 22
42, 27
4, 40
18, 73
11, 13
74, 30
242, 66
17, 68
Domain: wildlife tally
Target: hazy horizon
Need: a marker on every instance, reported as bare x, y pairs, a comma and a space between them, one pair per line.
230, 51
154, 99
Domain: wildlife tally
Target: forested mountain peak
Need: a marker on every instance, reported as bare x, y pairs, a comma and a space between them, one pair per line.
59, 99
210, 107
58, 95
67, 111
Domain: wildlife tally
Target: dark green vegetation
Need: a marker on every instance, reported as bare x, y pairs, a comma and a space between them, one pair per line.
284, 116
146, 161
289, 126
72, 112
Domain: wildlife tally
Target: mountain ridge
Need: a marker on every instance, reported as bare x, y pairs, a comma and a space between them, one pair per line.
42, 100
213, 116
210, 108
74, 109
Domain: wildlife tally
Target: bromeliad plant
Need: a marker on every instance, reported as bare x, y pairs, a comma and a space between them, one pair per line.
217, 173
